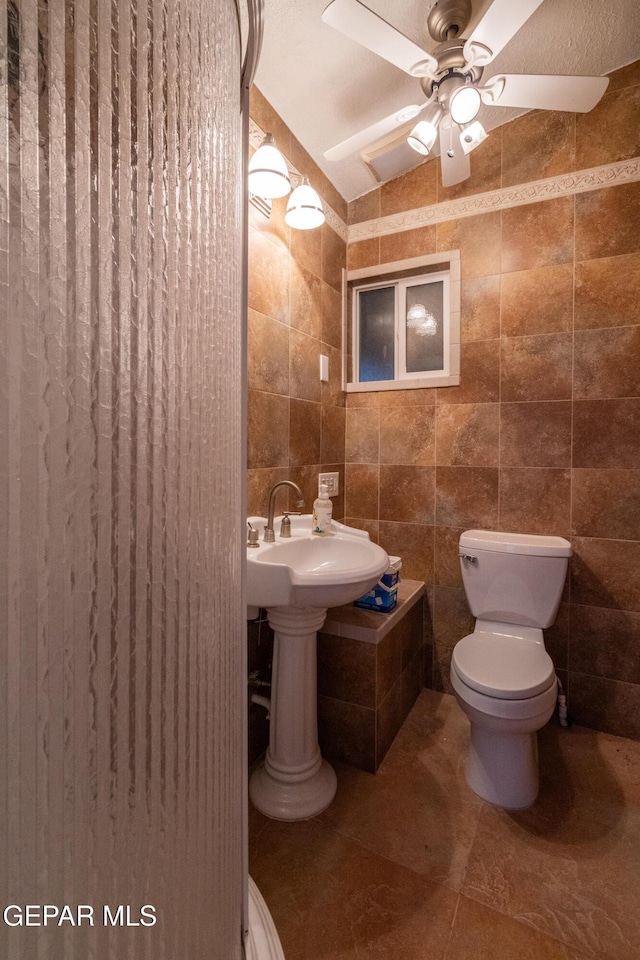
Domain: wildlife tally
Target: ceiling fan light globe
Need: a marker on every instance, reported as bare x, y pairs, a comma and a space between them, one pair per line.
472, 136
422, 137
464, 104
268, 171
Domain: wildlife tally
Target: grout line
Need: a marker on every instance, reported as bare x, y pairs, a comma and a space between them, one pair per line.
481, 807
453, 923
571, 438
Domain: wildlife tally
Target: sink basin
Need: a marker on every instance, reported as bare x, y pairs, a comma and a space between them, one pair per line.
311, 571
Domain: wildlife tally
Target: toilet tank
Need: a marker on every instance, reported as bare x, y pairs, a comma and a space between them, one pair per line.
513, 577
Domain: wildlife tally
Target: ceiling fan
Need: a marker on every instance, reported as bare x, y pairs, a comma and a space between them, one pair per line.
451, 78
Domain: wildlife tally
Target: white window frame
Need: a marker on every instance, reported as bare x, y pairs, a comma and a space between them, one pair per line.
355, 281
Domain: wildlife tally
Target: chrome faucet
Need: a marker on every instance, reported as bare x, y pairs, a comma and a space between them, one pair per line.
269, 534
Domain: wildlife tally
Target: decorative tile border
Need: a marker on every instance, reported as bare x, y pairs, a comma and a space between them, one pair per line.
580, 181
256, 136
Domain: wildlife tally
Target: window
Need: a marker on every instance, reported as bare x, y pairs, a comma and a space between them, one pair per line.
403, 330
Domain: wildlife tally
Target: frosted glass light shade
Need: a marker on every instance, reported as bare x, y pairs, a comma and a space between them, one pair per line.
464, 104
304, 209
268, 171
472, 136
422, 137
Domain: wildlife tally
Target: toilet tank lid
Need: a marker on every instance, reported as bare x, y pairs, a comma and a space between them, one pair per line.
522, 543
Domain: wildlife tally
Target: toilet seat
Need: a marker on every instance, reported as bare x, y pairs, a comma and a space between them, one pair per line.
497, 709
502, 666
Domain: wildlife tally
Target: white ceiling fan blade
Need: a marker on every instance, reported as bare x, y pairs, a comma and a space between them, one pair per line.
362, 139
500, 23
573, 94
456, 168
369, 30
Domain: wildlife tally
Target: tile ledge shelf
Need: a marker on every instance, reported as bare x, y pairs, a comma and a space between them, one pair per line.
354, 623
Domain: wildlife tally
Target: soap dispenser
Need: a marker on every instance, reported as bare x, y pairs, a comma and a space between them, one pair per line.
322, 510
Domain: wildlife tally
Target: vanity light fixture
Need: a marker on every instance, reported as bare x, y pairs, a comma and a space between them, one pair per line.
304, 208
270, 178
268, 171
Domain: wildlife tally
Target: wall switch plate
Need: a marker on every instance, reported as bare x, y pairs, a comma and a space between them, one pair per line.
332, 482
324, 367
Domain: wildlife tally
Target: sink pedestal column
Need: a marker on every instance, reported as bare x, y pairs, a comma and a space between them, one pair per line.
294, 783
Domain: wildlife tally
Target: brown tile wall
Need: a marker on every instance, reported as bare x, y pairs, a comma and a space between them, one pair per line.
543, 433
296, 423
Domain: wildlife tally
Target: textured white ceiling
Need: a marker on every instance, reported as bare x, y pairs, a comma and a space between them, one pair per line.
326, 87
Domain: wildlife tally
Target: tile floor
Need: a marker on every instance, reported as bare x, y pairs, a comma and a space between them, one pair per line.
408, 863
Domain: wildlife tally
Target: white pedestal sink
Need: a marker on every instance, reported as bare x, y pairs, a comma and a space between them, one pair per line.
297, 579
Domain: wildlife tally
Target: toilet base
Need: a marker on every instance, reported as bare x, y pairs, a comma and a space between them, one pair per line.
503, 768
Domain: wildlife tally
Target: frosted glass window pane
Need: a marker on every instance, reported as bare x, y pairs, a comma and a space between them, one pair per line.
377, 334
425, 351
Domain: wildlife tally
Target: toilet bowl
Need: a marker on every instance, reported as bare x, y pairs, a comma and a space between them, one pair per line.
502, 675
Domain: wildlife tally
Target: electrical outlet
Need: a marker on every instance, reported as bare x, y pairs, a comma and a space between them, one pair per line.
332, 482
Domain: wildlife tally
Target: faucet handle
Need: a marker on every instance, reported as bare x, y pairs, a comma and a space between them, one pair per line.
254, 536
285, 524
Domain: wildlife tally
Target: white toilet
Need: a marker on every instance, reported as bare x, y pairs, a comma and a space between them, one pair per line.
502, 675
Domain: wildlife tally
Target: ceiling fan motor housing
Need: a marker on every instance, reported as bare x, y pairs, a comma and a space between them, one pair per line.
446, 22
448, 19
451, 63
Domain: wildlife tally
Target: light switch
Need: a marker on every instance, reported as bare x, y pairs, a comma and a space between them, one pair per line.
324, 367
332, 481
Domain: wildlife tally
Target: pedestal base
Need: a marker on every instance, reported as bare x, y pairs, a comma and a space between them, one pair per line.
293, 800
294, 782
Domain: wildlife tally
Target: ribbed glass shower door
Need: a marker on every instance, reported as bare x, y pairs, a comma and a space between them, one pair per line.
120, 477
